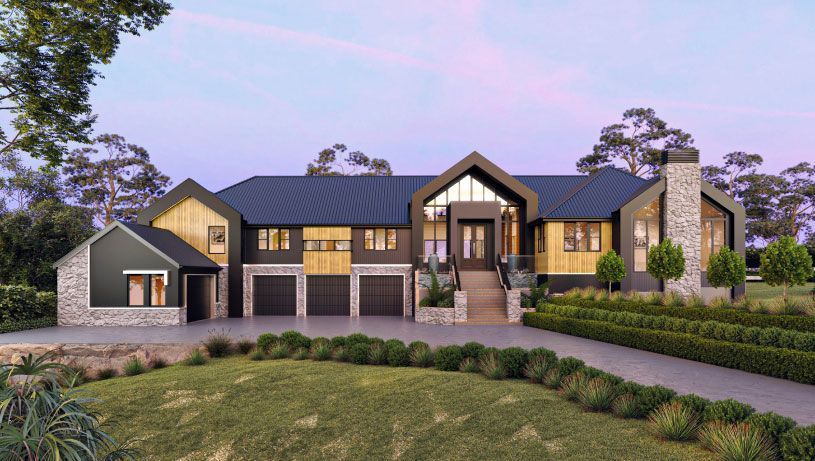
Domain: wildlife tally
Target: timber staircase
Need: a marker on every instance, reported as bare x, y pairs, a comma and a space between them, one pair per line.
486, 299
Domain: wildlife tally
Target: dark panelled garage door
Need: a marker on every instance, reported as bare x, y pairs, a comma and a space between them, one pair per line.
328, 295
199, 297
381, 295
274, 295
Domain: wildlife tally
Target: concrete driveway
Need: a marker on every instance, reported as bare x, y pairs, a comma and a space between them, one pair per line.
764, 393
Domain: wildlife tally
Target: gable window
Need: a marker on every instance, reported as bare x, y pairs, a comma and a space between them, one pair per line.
581, 236
714, 225
646, 233
273, 239
327, 245
217, 239
380, 239
541, 238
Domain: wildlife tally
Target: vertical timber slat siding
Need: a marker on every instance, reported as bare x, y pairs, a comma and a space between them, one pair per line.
327, 262
558, 261
190, 220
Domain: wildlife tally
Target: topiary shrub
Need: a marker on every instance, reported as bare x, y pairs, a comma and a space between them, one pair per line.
728, 411
319, 340
799, 444
514, 359
448, 358
610, 268
726, 269
649, 398
569, 365
694, 402
772, 424
357, 338
398, 354
338, 341
266, 341
358, 353
393, 343
785, 263
418, 345
295, 339
473, 350
666, 261
547, 356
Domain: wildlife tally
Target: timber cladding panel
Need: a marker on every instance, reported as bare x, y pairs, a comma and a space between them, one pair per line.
327, 262
557, 261
190, 220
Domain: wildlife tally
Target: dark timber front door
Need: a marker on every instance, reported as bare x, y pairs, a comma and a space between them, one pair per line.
274, 295
328, 295
199, 297
474, 246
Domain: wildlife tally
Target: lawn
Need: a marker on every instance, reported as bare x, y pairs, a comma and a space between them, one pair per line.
238, 409
762, 291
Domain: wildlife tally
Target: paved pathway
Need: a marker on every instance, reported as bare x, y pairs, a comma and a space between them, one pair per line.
764, 393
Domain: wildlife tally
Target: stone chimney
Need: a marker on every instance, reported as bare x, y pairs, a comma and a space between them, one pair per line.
683, 221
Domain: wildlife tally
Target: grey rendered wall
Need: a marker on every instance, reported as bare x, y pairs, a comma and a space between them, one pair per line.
115, 252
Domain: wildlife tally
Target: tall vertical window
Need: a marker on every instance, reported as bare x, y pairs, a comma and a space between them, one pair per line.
510, 231
380, 239
541, 243
714, 223
135, 290
581, 236
217, 239
158, 291
273, 239
646, 233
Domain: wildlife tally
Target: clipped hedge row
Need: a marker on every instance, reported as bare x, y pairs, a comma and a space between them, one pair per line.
748, 319
21, 325
711, 329
26, 303
782, 363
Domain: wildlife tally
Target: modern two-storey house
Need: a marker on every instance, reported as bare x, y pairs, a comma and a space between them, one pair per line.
357, 246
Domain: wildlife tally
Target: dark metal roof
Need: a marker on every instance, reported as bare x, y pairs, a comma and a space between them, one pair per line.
597, 196
172, 245
378, 200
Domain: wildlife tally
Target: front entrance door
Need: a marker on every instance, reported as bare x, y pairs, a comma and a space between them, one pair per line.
474, 238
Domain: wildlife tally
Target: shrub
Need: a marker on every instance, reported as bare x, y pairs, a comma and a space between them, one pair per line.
448, 358
736, 442
544, 354
693, 402
468, 365
597, 395
319, 340
195, 358
341, 354
301, 353
106, 373
393, 343
338, 341
666, 261
421, 356
418, 345
158, 363
552, 378
245, 346
537, 294
358, 353
491, 366
257, 355
266, 341
536, 369
74, 375
726, 268
771, 424
625, 406
799, 444
785, 263
569, 365
377, 354
218, 344
610, 268
22, 303
31, 324
472, 349
728, 411
630, 387
321, 351
437, 295
672, 421
279, 351
572, 385
398, 355
134, 366
649, 398
295, 339
514, 359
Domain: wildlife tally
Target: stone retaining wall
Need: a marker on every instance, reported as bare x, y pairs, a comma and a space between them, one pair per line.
514, 311
436, 315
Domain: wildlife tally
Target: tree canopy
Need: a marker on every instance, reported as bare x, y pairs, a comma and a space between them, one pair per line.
636, 142
785, 263
726, 269
610, 268
728, 177
51, 50
666, 261
354, 164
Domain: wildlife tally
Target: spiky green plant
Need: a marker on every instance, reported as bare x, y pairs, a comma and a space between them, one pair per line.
134, 366
596, 395
468, 365
257, 355
572, 385
625, 406
673, 421
279, 351
196, 358
421, 356
321, 351
301, 353
736, 442
537, 368
377, 355
552, 378
491, 367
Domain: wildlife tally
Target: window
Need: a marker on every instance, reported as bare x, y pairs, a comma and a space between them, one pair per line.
510, 231
327, 245
541, 238
157, 291
581, 236
380, 239
713, 232
135, 290
273, 239
646, 233
217, 239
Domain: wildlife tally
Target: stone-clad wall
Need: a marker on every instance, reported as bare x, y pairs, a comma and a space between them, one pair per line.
251, 269
406, 270
73, 309
222, 306
683, 205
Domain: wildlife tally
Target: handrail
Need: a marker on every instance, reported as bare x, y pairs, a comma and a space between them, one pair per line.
502, 273
453, 265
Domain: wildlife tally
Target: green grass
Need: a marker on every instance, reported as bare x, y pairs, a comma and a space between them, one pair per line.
235, 408
760, 291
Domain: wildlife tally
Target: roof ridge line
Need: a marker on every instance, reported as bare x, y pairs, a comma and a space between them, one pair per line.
574, 191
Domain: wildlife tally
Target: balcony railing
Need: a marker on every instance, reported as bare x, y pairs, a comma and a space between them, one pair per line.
425, 263
518, 264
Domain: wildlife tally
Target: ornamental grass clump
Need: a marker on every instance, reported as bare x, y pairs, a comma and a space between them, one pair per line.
257, 355
468, 365
279, 351
625, 406
597, 395
218, 344
377, 354
195, 358
672, 421
106, 373
245, 346
491, 366
673, 299
321, 351
572, 385
341, 354
536, 369
736, 442
134, 366
552, 379
301, 353
158, 363
421, 356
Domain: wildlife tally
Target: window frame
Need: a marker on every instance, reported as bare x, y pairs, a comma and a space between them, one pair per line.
724, 219
323, 245
589, 237
541, 242
144, 285
369, 244
209, 240
150, 291
278, 238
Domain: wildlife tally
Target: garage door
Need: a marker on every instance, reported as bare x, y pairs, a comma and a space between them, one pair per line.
381, 295
199, 297
328, 295
274, 295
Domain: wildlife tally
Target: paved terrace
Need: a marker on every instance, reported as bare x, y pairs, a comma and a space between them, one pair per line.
764, 393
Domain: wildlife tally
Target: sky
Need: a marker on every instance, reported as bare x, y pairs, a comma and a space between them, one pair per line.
222, 91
